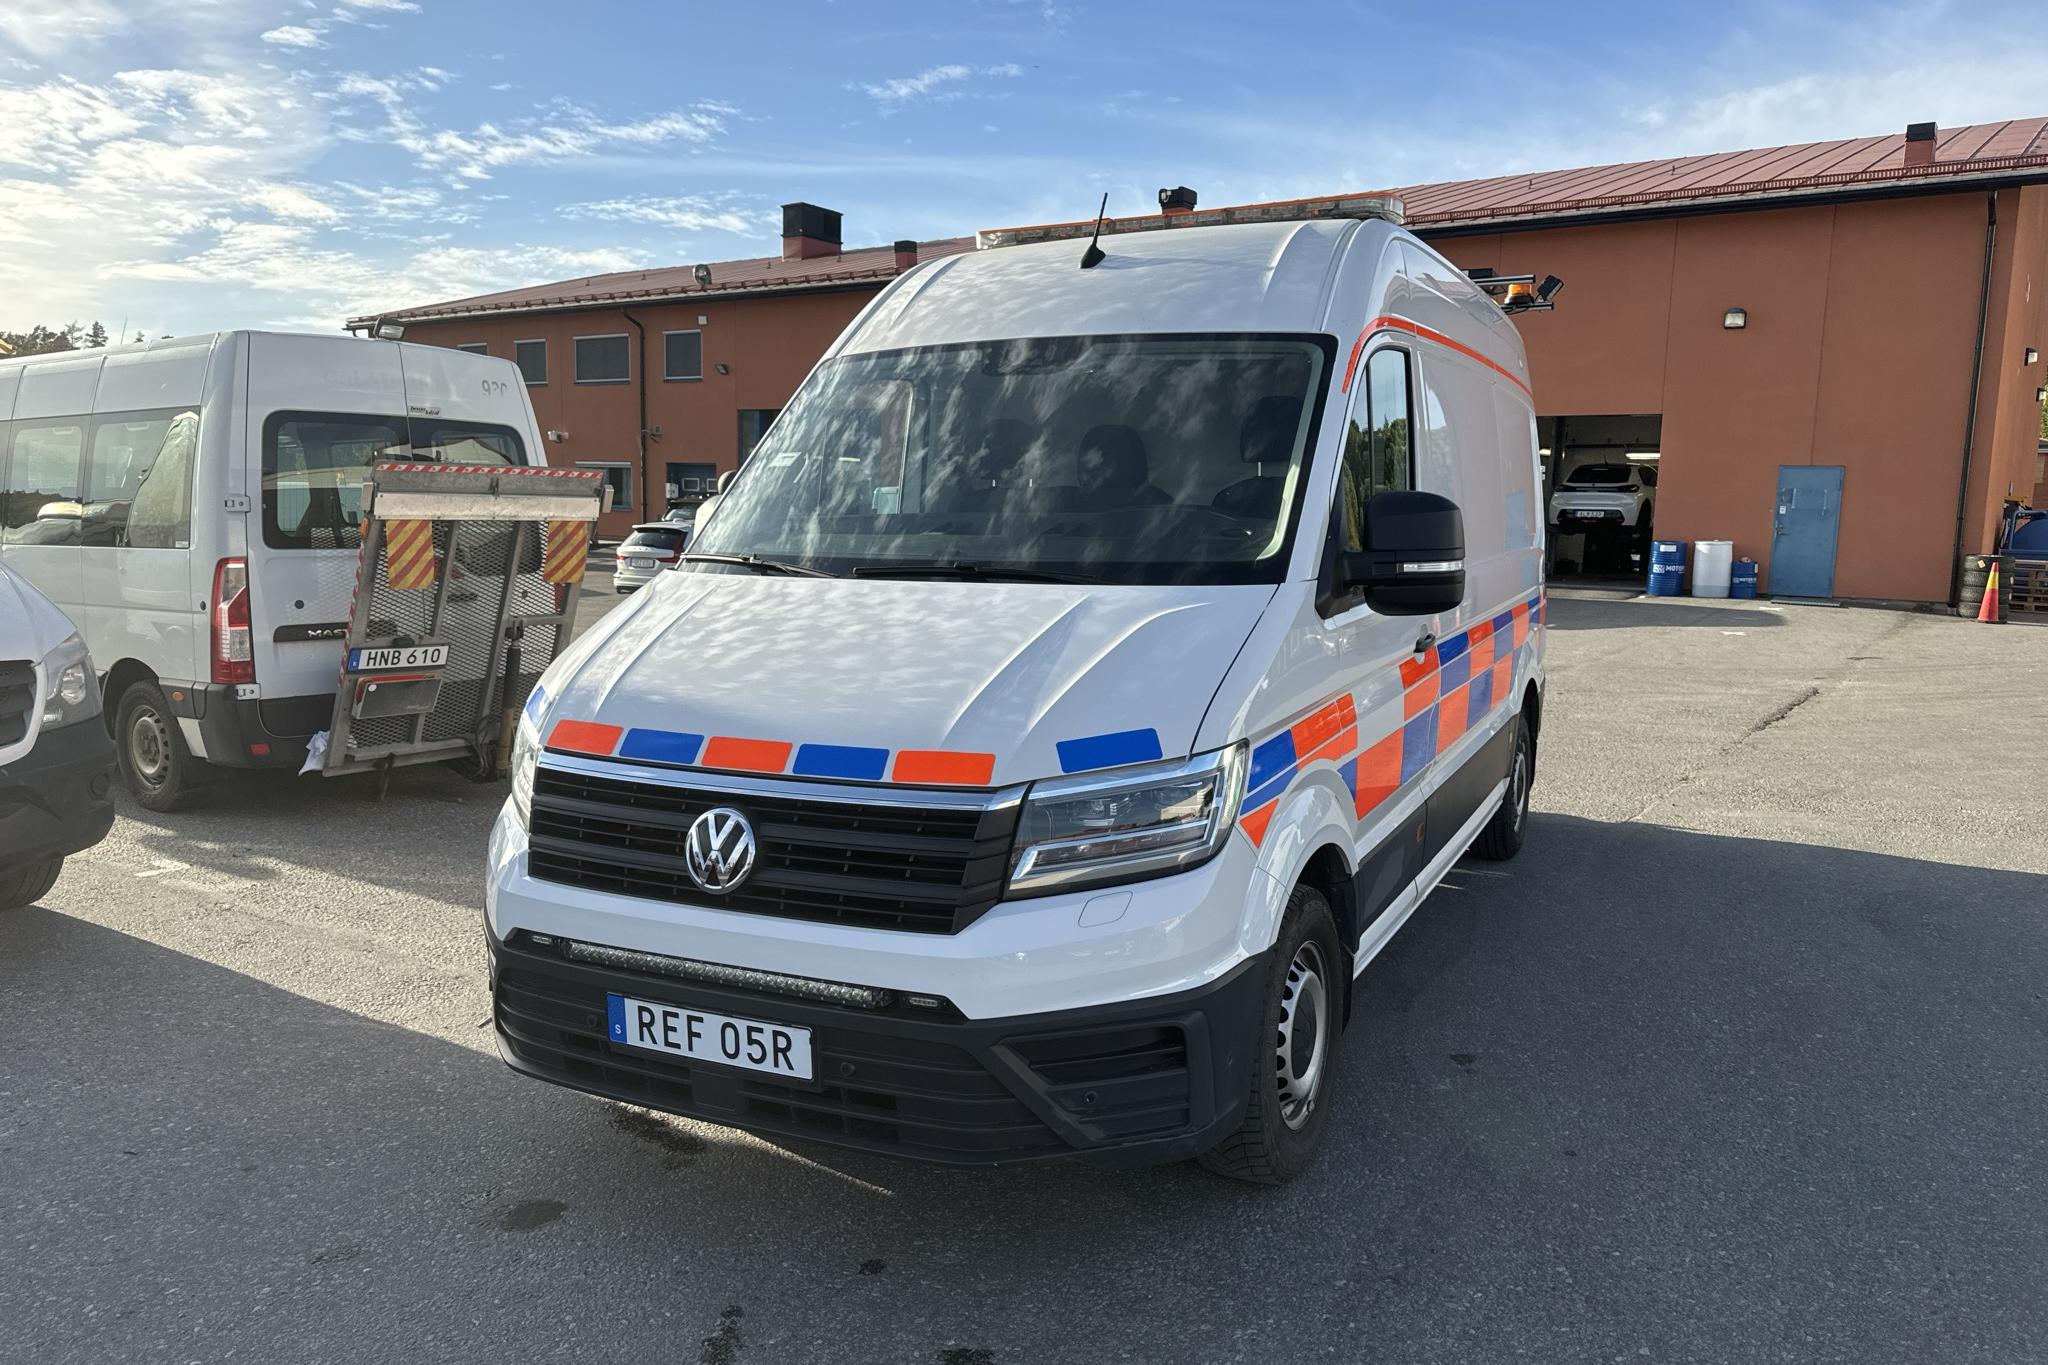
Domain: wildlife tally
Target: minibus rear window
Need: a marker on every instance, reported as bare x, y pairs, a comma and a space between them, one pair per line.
314, 465
1152, 458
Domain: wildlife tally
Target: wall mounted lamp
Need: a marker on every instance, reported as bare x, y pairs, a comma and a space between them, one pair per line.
1735, 319
723, 368
2032, 356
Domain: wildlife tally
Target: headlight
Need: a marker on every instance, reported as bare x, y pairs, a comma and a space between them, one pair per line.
74, 687
525, 749
1092, 831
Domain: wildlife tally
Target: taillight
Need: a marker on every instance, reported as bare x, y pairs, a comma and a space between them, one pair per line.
234, 654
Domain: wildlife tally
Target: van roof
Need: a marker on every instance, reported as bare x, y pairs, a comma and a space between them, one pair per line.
1245, 277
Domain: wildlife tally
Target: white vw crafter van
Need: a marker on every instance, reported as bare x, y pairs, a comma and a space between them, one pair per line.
1086, 677
193, 505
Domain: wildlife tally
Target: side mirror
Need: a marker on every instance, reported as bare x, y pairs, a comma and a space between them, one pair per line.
1414, 560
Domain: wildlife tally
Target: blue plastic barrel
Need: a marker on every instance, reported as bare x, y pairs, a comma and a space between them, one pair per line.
1742, 578
1667, 567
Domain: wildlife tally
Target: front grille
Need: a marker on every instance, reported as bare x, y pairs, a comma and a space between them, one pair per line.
926, 869
874, 1089
17, 699
1126, 1083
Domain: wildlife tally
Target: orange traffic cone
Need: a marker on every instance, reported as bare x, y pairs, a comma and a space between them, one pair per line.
1988, 610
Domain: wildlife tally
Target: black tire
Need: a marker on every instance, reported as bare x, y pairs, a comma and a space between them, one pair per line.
1283, 1122
160, 771
27, 885
1502, 837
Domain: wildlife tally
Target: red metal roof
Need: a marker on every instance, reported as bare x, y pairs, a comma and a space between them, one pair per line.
1979, 151
1976, 152
761, 275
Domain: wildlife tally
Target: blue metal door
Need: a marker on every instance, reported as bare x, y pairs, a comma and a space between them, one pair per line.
1809, 517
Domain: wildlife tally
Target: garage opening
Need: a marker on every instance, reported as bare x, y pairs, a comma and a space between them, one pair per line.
1600, 489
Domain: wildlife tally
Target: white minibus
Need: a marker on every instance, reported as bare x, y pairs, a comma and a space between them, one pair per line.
193, 504
1101, 658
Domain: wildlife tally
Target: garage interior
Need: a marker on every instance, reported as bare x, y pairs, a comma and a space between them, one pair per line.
1572, 443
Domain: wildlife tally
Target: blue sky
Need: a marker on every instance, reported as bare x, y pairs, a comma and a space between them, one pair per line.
193, 164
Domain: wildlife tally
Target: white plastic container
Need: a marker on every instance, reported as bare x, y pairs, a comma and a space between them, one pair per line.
1712, 562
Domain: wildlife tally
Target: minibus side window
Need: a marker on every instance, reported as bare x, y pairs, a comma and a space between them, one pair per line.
130, 452
1378, 454
39, 505
160, 517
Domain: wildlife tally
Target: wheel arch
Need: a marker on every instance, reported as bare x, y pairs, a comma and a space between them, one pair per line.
123, 675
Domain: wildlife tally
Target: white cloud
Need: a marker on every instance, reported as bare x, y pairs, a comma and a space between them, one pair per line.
690, 213
566, 131
44, 28
327, 284
937, 82
294, 35
390, 6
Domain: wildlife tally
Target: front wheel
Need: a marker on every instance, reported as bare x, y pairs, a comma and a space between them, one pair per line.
27, 885
1502, 837
159, 770
1294, 1054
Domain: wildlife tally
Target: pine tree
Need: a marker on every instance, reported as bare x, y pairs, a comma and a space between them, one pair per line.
96, 335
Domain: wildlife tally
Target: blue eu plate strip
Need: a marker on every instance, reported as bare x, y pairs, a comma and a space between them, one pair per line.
615, 1007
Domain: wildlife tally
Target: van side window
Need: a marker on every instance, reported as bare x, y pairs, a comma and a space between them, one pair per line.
39, 505
160, 517
313, 467
127, 450
1378, 454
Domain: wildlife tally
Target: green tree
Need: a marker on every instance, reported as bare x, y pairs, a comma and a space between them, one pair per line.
96, 335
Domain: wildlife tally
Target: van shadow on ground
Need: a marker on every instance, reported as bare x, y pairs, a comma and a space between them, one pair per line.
1616, 613
1641, 1093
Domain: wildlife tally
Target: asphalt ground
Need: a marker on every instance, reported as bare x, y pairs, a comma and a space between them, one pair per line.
1742, 1059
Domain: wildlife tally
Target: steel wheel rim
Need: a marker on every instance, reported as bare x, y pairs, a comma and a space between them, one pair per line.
149, 746
1302, 1044
1519, 790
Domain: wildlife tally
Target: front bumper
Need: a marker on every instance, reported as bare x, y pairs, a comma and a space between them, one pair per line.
57, 799
1157, 1079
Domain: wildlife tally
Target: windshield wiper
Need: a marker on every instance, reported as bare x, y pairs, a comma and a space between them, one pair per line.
989, 573
758, 564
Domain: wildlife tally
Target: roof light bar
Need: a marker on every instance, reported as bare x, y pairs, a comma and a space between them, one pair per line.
1382, 206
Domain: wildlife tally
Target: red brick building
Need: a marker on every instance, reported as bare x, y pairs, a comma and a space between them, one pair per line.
666, 378
1843, 335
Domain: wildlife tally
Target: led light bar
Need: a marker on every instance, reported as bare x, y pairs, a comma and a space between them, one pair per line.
1382, 206
717, 974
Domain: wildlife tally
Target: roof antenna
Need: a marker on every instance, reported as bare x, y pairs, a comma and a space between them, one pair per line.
1095, 255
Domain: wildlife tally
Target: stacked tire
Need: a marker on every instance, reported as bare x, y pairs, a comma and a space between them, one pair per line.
1977, 572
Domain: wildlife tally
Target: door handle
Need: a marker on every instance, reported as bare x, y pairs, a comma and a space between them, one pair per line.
1424, 641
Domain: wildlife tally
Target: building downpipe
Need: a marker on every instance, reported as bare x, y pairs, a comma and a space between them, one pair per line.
640, 385
1955, 558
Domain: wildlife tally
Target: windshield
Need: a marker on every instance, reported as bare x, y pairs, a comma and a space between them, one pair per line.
314, 464
1601, 476
1129, 459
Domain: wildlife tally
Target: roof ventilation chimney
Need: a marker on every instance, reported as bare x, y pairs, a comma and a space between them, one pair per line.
808, 232
1178, 200
906, 254
1919, 144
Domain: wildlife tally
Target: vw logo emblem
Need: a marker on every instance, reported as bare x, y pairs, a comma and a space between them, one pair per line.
719, 850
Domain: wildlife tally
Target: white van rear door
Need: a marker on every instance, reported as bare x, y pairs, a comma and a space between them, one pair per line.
320, 411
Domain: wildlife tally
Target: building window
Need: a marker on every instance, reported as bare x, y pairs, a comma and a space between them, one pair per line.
754, 424
619, 476
690, 481
683, 355
532, 359
1378, 454
475, 347
604, 360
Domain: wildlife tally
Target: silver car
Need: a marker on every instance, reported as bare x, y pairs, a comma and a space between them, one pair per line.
652, 547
